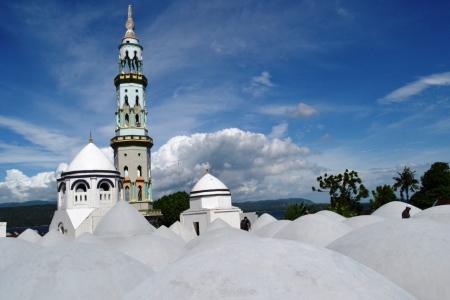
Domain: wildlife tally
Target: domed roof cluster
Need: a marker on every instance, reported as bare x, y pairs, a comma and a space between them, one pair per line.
319, 256
91, 158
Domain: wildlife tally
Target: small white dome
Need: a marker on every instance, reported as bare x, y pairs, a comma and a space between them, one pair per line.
209, 185
90, 158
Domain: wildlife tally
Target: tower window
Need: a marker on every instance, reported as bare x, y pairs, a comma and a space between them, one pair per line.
139, 171
125, 171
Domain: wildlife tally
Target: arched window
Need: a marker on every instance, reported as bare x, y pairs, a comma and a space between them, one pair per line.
104, 187
61, 227
137, 100
127, 194
140, 193
139, 171
81, 188
126, 101
137, 120
127, 119
125, 171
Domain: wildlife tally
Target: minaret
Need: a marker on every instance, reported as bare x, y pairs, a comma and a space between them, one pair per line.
132, 144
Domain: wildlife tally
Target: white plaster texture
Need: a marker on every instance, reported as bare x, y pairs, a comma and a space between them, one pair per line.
29, 235
253, 268
166, 233
72, 271
262, 221
123, 220
393, 210
182, 231
154, 251
91, 158
411, 253
361, 221
331, 214
313, 229
53, 238
12, 250
269, 230
439, 213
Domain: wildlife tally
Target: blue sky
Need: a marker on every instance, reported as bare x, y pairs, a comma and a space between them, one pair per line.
266, 94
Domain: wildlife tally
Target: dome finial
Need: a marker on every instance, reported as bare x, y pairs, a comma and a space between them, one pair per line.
207, 171
130, 24
90, 137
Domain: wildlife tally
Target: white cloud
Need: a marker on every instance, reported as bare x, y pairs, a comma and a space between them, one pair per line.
303, 110
414, 88
279, 131
17, 187
244, 161
259, 84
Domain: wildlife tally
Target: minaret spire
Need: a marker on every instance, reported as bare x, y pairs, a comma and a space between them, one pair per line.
129, 25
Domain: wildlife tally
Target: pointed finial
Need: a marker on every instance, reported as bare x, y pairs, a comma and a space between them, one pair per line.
130, 24
207, 171
90, 137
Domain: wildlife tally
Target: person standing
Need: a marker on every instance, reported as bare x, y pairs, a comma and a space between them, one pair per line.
405, 213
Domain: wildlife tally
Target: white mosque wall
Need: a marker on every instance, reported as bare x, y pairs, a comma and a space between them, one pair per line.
210, 202
232, 217
2, 229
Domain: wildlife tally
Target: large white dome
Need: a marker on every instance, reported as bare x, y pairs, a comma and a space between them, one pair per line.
91, 158
209, 185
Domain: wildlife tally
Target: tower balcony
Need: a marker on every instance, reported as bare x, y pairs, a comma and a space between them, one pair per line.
130, 78
126, 140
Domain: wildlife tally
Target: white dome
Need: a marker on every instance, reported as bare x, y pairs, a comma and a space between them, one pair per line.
393, 210
439, 213
313, 229
53, 238
90, 158
166, 233
30, 235
262, 221
13, 250
154, 251
331, 214
123, 220
182, 231
272, 228
216, 224
253, 268
209, 185
72, 271
411, 253
207, 236
361, 221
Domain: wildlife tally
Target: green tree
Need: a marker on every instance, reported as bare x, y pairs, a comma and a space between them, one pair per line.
295, 211
381, 196
435, 186
406, 182
346, 190
171, 207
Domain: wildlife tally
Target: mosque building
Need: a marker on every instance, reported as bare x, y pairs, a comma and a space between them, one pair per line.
209, 200
91, 185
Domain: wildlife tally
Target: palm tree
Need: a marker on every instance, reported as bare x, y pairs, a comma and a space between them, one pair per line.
406, 182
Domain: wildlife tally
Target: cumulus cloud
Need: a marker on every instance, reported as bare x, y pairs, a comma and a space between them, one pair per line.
414, 88
248, 163
259, 84
18, 187
252, 165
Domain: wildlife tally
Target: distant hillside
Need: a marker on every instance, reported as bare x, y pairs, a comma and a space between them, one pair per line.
26, 216
28, 203
270, 205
